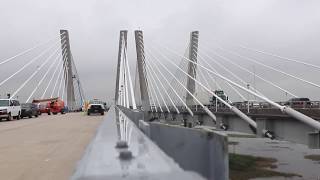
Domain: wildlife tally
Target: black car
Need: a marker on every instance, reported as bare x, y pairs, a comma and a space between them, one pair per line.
29, 110
96, 108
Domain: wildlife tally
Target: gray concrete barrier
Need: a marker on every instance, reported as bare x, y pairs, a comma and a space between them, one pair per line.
142, 159
144, 127
200, 150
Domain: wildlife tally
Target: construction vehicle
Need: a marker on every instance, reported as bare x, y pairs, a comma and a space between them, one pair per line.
222, 95
53, 105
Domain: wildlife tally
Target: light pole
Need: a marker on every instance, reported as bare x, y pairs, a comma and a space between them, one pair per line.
248, 110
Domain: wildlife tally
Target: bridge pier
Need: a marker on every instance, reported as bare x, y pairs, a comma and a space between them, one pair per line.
262, 125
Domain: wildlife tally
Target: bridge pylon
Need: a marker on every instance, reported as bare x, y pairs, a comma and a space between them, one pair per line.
143, 81
192, 67
122, 45
68, 74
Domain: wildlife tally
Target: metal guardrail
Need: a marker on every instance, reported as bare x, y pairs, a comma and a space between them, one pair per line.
244, 105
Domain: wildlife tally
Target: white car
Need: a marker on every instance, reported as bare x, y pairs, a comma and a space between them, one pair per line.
10, 109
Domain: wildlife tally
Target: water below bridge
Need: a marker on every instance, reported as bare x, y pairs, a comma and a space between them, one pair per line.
290, 156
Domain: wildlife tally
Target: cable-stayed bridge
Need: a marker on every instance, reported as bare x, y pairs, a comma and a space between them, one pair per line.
173, 114
194, 89
43, 71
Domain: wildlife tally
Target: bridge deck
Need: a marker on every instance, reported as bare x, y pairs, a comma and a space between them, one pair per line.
47, 147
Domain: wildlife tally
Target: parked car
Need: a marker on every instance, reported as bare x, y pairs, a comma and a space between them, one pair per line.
96, 108
298, 103
10, 109
29, 110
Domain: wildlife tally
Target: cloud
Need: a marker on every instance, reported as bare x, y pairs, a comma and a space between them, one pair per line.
287, 27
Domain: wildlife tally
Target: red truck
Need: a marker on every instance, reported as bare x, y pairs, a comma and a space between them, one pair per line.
53, 105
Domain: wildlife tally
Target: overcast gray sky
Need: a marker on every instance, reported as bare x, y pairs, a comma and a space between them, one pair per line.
287, 27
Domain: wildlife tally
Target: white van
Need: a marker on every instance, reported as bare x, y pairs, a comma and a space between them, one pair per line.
10, 109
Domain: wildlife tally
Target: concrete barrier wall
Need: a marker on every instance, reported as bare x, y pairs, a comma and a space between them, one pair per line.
199, 150
134, 115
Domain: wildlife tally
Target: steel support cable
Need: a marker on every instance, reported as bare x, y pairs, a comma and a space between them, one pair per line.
147, 84
151, 96
179, 75
291, 112
213, 78
65, 84
78, 78
26, 51
258, 76
33, 74
153, 103
226, 79
124, 84
155, 94
27, 64
63, 59
126, 81
183, 80
121, 99
281, 57
205, 80
161, 84
196, 99
252, 73
42, 79
150, 88
175, 85
217, 85
205, 108
66, 76
134, 105
64, 69
242, 97
230, 72
169, 83
56, 82
151, 85
53, 74
143, 68
158, 89
226, 82
61, 79
272, 68
125, 78
232, 108
201, 74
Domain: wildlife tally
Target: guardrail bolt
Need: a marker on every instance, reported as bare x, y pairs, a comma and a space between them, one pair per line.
125, 155
122, 144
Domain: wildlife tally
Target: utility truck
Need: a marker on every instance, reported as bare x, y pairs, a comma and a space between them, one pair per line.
53, 105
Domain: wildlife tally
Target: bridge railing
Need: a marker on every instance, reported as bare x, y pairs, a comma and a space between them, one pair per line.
244, 106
